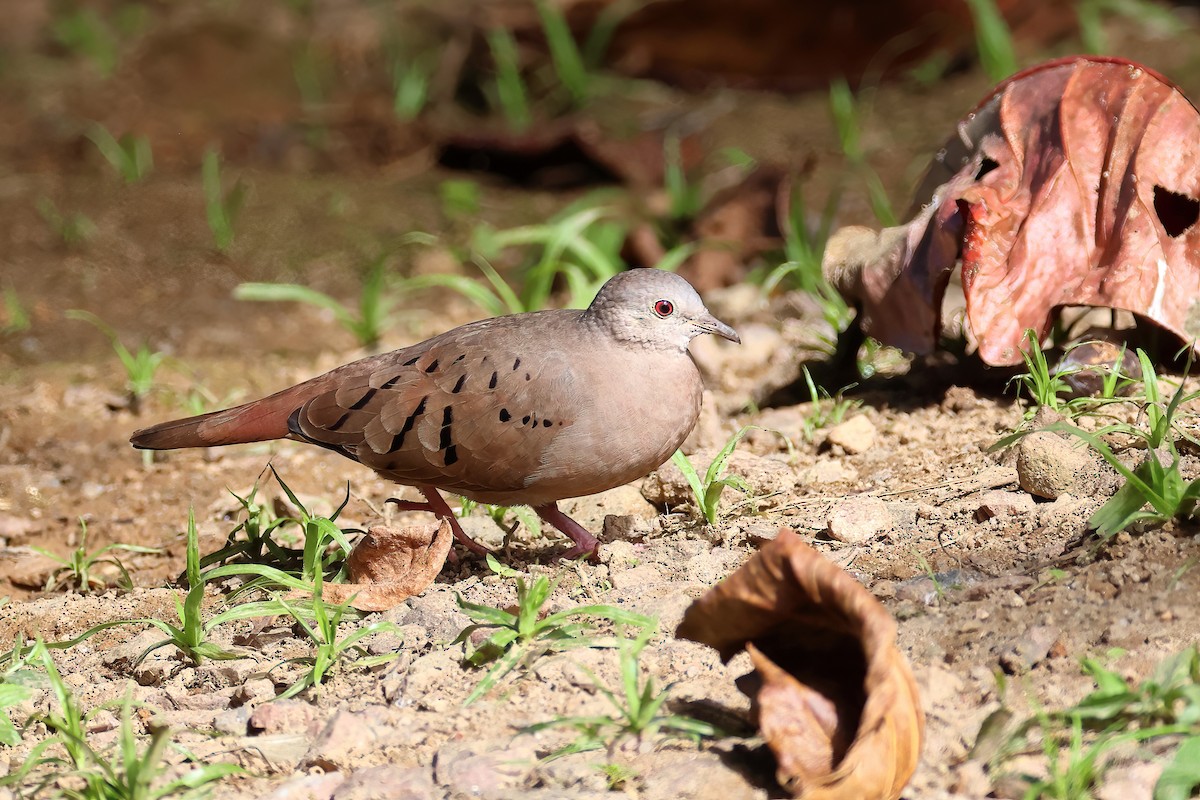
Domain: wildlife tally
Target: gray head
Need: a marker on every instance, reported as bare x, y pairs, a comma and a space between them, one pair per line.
653, 308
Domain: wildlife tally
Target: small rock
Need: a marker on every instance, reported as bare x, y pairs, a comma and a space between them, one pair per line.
1049, 465
831, 471
350, 735
121, 657
855, 435
624, 528
999, 503
234, 722
388, 783
1122, 781
760, 531
27, 568
859, 519
255, 690
282, 751
1028, 651
308, 787
485, 769
286, 716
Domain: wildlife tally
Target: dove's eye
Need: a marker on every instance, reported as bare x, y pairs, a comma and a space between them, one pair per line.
664, 308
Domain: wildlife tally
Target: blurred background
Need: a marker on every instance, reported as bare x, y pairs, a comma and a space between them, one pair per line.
156, 157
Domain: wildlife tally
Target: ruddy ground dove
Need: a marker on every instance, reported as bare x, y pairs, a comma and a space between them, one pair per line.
523, 409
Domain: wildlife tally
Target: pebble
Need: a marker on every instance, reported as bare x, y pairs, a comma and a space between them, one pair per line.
308, 787
1049, 465
388, 783
485, 769
855, 435
636, 577
286, 716
859, 519
999, 503
350, 735
1031, 649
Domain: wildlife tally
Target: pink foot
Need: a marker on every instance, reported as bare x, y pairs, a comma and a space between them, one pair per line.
437, 506
585, 543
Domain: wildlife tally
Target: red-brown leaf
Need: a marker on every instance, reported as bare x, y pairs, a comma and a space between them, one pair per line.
1077, 182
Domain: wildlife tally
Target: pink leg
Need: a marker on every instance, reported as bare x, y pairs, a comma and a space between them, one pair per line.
585, 543
436, 505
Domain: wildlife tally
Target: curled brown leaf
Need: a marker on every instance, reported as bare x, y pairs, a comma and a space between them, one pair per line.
833, 697
389, 565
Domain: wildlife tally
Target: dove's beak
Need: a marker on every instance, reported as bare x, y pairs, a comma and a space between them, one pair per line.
710, 324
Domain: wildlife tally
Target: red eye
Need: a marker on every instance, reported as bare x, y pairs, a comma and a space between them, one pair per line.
664, 308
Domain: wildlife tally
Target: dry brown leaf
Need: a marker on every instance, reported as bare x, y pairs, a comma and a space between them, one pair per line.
1075, 183
389, 565
834, 698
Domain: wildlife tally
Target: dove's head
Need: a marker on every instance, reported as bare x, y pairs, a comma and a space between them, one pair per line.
655, 309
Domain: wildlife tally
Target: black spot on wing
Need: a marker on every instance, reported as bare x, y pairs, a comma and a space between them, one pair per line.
337, 426
516, 364
504, 415
492, 382
398, 439
391, 382
411, 361
458, 386
444, 441
362, 403
433, 365
451, 455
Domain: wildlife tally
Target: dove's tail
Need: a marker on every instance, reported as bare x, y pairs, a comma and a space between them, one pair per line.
259, 421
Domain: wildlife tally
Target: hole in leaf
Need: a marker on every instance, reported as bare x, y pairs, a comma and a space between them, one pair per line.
1177, 212
986, 166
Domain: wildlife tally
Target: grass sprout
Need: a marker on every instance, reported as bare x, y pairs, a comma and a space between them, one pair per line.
847, 120
826, 410
993, 40
707, 491
140, 366
78, 568
321, 621
16, 318
637, 708
73, 229
130, 155
510, 85
221, 208
519, 639
375, 311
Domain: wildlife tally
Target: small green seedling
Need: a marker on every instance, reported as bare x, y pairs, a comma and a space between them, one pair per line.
84, 33
707, 491
130, 155
993, 40
78, 568
565, 54
129, 773
826, 410
410, 87
521, 515
1117, 712
510, 85
324, 551
518, 639
221, 208
18, 675
686, 198
72, 229
846, 118
330, 652
637, 707
16, 318
191, 635
1160, 485
140, 367
376, 306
